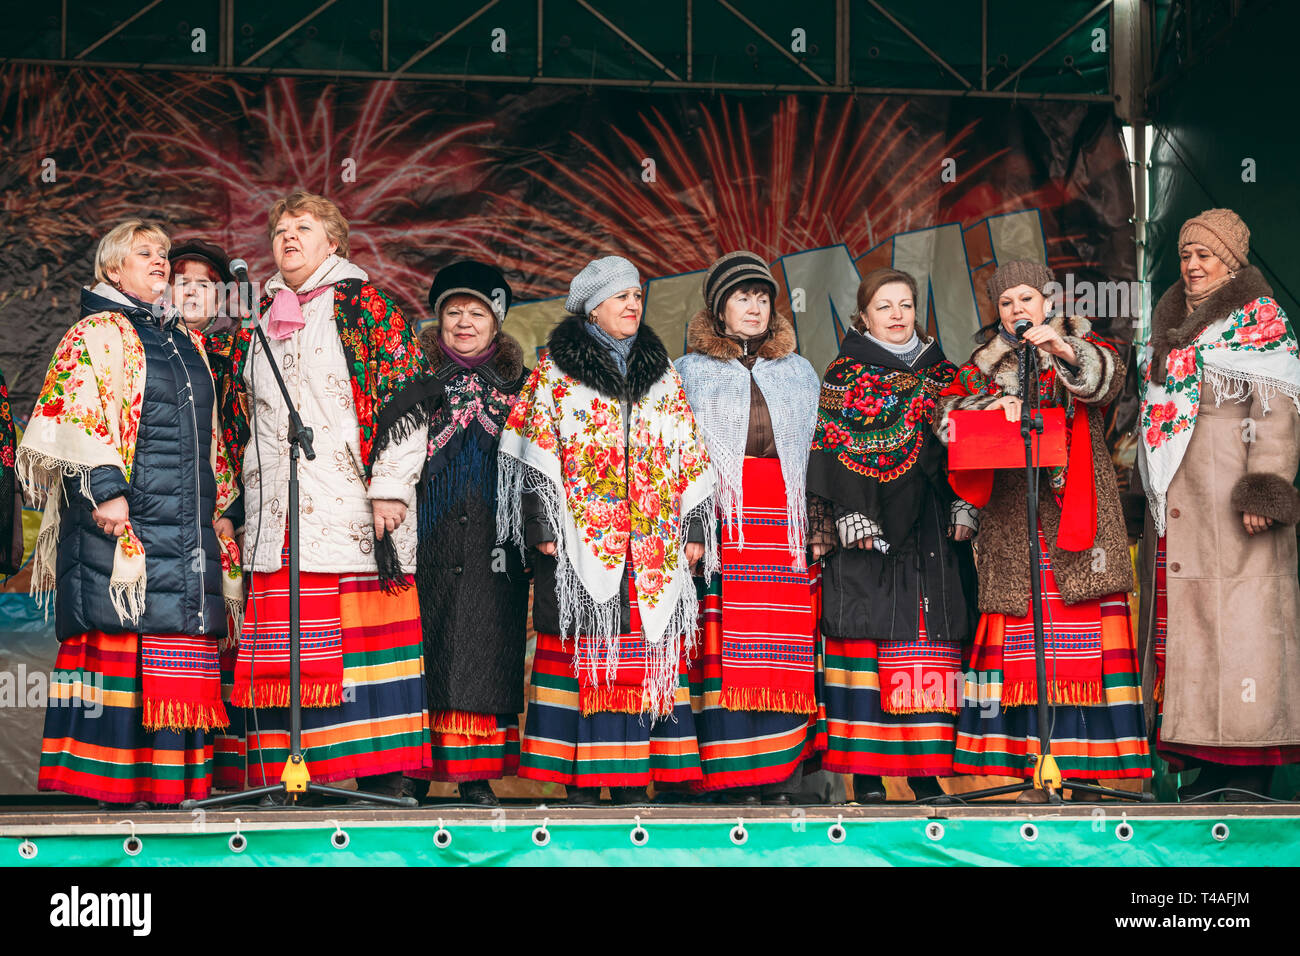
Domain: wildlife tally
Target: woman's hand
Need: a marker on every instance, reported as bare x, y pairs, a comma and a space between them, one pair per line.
547, 548
224, 526
819, 551
866, 544
1255, 523
694, 552
1049, 340
961, 532
112, 516
388, 514
1010, 406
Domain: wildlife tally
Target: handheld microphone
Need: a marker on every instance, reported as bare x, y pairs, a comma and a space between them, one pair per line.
239, 269
1020, 328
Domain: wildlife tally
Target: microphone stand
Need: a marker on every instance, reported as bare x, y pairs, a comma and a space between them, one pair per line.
295, 779
1047, 775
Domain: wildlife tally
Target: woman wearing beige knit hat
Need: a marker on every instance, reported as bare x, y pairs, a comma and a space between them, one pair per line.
1220, 442
1085, 570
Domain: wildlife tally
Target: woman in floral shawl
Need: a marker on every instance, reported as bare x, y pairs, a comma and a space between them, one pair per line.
604, 474
473, 594
357, 375
123, 453
897, 589
1220, 443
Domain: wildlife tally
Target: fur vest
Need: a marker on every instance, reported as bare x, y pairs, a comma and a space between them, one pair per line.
1002, 549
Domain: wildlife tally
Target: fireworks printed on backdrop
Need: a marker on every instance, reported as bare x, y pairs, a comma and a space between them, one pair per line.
538, 181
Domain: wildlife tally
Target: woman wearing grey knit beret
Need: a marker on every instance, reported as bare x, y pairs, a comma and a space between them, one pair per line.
604, 474
755, 397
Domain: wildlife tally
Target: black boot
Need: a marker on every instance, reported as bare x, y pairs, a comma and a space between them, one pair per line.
1252, 784
629, 796
868, 788
478, 793
1213, 776
384, 785
928, 788
582, 796
740, 796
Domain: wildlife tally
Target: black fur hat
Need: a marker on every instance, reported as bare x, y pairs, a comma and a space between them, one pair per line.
469, 277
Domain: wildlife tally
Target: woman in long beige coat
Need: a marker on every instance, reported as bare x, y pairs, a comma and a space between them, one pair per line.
1220, 434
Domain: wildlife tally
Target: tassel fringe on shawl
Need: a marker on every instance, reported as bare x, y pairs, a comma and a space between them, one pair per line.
580, 614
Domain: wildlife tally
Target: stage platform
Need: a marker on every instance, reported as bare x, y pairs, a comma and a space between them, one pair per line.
1106, 834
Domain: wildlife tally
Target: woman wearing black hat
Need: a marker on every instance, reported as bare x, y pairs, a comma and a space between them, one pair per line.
473, 594
199, 270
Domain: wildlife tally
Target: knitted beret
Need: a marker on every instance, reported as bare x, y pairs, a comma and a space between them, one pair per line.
730, 271
477, 279
1222, 232
1018, 272
599, 280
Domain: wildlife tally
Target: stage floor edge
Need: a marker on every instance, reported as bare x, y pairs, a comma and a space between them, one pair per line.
1108, 834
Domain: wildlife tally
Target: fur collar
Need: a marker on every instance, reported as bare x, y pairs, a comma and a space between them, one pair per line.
581, 357
702, 336
996, 358
506, 368
1172, 328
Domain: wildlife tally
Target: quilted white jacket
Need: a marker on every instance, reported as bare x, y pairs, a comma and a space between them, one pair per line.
337, 527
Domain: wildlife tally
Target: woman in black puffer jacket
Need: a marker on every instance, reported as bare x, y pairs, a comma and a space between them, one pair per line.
123, 453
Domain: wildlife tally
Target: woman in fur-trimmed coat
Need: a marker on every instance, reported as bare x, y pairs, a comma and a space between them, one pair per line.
603, 474
1086, 572
473, 594
1220, 443
753, 687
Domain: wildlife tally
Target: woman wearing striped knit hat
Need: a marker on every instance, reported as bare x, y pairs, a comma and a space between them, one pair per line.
753, 685
604, 474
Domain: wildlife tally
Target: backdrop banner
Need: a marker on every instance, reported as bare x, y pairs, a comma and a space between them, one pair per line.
540, 180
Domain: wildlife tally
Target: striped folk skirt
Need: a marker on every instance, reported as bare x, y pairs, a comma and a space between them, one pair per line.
95, 744
879, 727
753, 680
604, 748
1176, 755
382, 724
469, 746
1096, 740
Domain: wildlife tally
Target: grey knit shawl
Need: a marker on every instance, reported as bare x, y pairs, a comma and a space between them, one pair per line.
718, 391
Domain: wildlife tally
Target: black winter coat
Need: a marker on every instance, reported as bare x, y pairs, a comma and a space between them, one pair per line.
867, 594
473, 592
171, 497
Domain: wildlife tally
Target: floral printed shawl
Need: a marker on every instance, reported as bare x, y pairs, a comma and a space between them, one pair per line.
392, 385
1252, 349
88, 415
604, 497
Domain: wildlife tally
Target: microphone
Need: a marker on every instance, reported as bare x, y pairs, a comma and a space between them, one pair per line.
1020, 328
239, 269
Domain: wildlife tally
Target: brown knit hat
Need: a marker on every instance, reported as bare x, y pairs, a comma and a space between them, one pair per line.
1019, 272
730, 271
1222, 232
